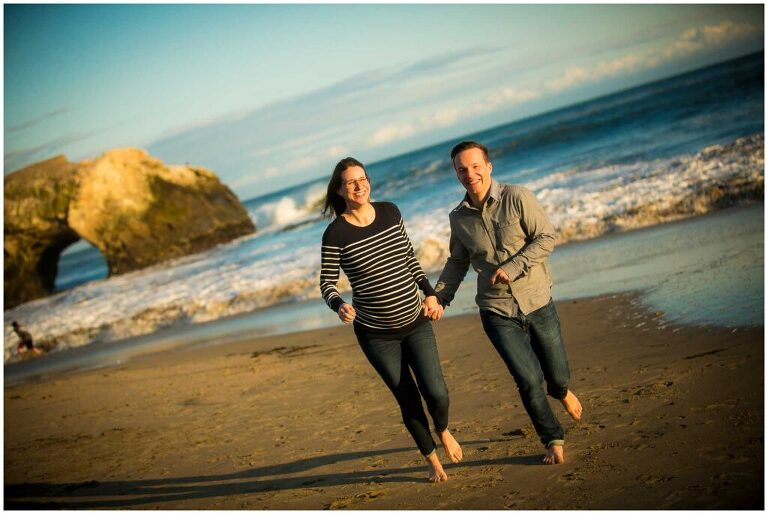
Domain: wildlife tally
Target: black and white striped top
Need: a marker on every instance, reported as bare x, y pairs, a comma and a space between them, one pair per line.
381, 267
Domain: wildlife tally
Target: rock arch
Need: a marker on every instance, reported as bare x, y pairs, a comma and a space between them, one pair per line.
135, 209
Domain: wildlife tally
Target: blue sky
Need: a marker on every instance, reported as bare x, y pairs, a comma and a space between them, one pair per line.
269, 96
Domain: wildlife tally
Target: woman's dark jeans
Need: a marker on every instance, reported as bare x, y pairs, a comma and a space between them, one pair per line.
392, 358
532, 348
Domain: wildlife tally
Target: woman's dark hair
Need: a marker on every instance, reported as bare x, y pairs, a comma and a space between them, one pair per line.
334, 204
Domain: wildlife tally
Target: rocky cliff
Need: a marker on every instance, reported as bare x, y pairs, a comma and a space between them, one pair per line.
135, 209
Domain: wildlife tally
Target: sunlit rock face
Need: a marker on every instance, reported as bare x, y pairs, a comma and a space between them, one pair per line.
135, 209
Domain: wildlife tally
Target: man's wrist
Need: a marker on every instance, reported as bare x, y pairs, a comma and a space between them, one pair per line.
512, 269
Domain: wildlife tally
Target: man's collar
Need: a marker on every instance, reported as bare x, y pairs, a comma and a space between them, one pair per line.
494, 192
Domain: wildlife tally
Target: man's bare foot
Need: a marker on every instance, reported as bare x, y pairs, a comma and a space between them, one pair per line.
452, 449
436, 471
572, 405
554, 455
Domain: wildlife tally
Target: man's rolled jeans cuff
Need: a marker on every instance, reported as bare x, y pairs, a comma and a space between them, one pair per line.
556, 442
556, 392
429, 454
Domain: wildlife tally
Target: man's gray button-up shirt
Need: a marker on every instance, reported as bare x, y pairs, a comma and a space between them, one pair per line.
510, 231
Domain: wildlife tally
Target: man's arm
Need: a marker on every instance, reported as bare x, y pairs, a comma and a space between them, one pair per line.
540, 235
454, 271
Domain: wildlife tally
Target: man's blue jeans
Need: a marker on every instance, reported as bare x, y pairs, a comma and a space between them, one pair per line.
394, 358
532, 348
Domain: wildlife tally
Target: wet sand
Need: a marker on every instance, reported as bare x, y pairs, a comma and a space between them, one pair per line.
673, 419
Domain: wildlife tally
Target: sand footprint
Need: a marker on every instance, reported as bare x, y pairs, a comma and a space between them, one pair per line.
347, 501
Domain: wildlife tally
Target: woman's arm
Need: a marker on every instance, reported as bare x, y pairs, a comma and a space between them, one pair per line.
330, 263
330, 259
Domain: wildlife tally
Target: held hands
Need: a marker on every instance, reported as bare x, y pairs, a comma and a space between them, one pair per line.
432, 308
499, 277
347, 313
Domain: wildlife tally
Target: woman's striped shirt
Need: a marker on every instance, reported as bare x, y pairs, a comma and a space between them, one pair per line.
381, 267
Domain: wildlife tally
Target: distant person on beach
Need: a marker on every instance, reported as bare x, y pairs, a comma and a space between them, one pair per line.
26, 343
503, 232
369, 242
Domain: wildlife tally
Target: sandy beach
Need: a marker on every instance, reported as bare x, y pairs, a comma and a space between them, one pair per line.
673, 420
174, 183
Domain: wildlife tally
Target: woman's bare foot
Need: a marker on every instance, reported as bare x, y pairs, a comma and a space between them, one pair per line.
554, 455
572, 405
452, 449
436, 471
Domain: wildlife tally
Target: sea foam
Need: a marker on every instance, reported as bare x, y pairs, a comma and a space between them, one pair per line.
270, 267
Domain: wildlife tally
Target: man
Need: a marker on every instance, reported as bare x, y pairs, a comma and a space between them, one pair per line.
25, 339
503, 232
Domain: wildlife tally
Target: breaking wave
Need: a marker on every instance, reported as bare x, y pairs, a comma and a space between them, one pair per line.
241, 276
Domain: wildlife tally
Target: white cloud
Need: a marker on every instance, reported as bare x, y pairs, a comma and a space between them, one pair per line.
336, 152
572, 76
627, 64
272, 171
690, 41
420, 122
698, 38
298, 163
518, 96
364, 114
444, 117
248, 181
393, 132
467, 107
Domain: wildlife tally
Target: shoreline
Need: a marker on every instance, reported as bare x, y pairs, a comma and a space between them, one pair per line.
312, 313
673, 419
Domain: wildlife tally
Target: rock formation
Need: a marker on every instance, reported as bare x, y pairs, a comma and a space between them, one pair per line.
136, 210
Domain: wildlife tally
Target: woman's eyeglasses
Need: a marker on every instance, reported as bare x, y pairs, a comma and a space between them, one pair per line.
350, 184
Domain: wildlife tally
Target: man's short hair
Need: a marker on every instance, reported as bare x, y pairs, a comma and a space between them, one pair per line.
466, 145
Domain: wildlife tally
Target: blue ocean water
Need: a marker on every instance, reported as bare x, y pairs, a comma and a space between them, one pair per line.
676, 116
703, 271
587, 163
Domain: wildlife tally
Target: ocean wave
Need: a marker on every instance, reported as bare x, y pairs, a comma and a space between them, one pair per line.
289, 211
170, 312
589, 203
584, 204
242, 276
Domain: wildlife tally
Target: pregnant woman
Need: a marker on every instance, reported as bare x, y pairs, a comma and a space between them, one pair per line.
368, 241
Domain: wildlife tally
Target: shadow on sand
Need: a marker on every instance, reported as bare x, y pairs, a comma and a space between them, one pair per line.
136, 493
